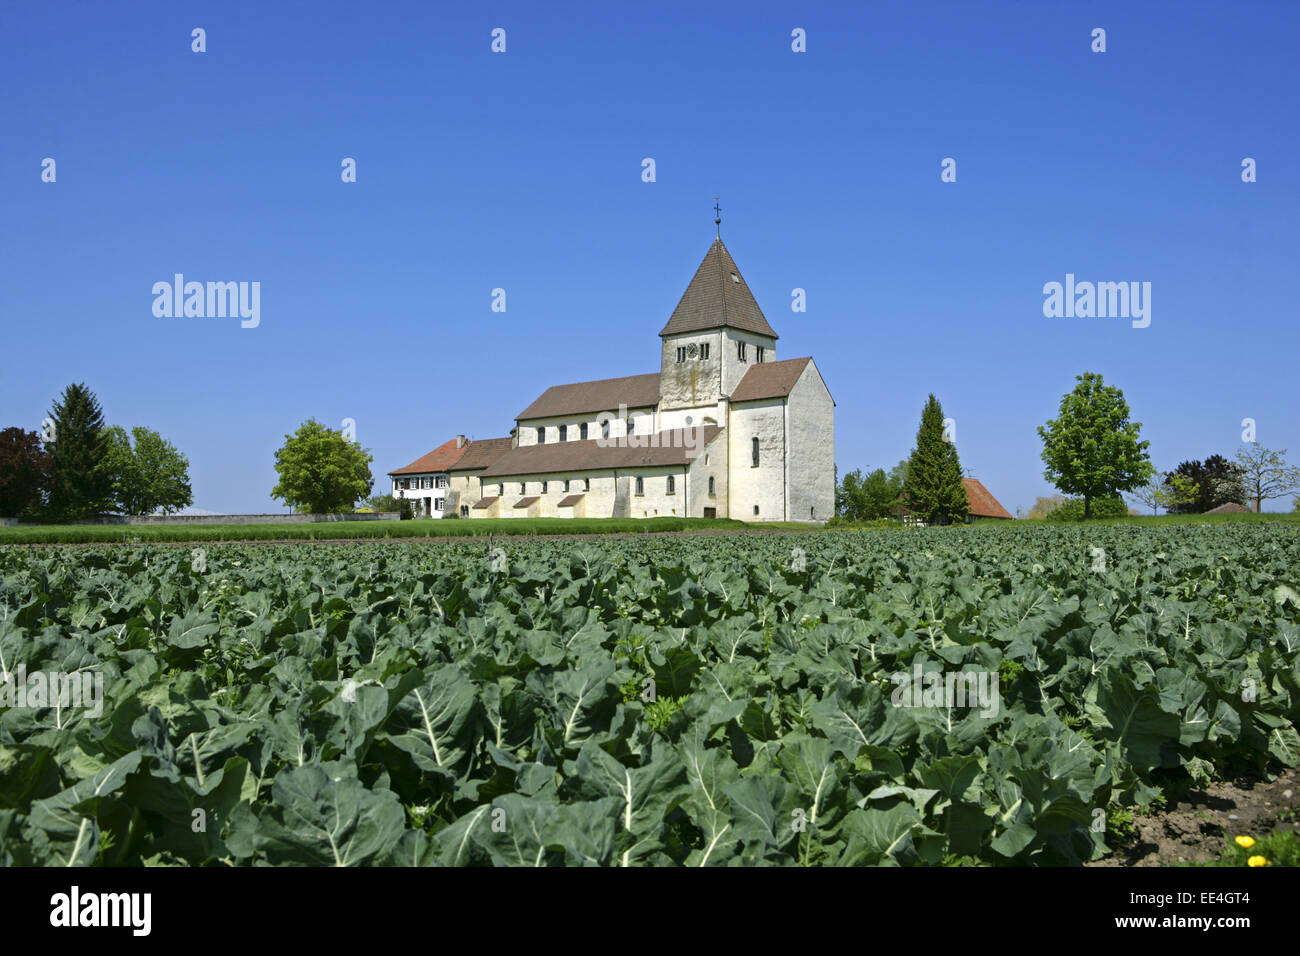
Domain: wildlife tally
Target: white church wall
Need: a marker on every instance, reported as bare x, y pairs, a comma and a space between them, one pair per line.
763, 486
810, 472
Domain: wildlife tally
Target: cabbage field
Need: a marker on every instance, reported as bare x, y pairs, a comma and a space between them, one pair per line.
964, 695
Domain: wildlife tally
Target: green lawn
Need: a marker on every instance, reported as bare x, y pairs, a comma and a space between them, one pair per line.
417, 528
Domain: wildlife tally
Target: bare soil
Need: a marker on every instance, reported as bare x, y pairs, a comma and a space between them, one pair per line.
1198, 828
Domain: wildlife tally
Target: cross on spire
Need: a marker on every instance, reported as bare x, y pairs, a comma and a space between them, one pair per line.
717, 213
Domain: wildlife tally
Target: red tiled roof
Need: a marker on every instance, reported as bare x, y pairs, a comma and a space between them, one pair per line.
982, 504
665, 448
716, 297
440, 459
769, 380
603, 395
481, 453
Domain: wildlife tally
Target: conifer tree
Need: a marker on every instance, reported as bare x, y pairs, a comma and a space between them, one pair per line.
933, 488
81, 485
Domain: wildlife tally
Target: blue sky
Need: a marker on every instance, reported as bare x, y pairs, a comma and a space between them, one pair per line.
522, 170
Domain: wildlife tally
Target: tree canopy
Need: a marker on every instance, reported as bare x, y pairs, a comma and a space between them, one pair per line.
149, 477
320, 471
24, 472
1091, 449
1265, 474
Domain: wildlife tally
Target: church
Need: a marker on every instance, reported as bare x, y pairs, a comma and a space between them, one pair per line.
723, 429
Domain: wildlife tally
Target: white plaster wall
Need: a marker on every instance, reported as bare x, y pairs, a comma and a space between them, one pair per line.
765, 485
645, 419
694, 382
810, 483
733, 369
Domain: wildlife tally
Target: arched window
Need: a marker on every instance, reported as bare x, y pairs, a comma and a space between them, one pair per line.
604, 428
564, 432
631, 424
672, 485
586, 484
755, 449
541, 436
710, 486
582, 431
640, 485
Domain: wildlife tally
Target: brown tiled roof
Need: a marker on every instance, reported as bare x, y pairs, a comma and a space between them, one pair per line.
717, 296
983, 504
440, 459
526, 502
769, 380
559, 457
481, 453
605, 395
1231, 508
570, 500
485, 503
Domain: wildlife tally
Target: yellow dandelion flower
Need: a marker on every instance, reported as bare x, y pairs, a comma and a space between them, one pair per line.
1257, 861
1245, 842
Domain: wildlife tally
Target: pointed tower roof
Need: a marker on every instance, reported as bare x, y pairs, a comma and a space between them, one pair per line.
716, 297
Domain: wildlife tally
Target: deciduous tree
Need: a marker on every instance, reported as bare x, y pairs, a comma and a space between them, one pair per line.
151, 476
1091, 449
321, 471
24, 473
1265, 474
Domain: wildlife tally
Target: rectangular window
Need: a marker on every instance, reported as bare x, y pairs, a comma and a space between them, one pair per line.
582, 431
501, 490
566, 485
544, 487
586, 484
755, 450
438, 503
681, 354
740, 351
541, 436
564, 433
442, 481
704, 351
521, 487
760, 355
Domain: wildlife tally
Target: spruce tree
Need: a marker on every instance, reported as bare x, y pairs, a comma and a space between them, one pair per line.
81, 485
933, 488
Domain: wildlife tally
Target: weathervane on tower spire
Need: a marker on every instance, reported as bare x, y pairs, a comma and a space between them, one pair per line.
717, 220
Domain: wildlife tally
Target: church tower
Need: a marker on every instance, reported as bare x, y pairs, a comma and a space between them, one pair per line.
714, 336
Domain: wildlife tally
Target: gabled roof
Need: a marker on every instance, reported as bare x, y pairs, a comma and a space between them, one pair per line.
769, 380
664, 448
717, 297
440, 459
983, 504
603, 395
481, 453
1231, 508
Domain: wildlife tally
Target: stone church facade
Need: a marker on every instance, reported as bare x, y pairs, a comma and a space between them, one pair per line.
723, 429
